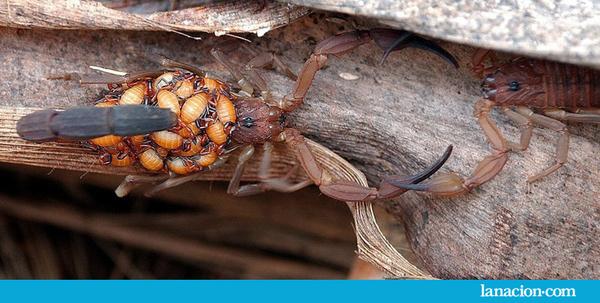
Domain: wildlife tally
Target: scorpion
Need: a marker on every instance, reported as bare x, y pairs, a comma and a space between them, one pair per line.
530, 92
180, 121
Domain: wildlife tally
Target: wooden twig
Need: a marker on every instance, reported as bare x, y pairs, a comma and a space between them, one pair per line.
124, 266
41, 252
372, 245
362, 270
80, 257
14, 263
249, 233
254, 264
219, 17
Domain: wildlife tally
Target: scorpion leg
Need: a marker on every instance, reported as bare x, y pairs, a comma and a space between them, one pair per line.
347, 190
595, 111
178, 180
252, 79
170, 63
131, 182
581, 116
526, 126
106, 78
112, 79
269, 59
277, 184
246, 85
486, 169
478, 67
96, 79
234, 184
264, 60
562, 147
387, 39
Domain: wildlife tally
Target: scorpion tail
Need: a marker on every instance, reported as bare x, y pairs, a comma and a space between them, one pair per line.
86, 122
393, 40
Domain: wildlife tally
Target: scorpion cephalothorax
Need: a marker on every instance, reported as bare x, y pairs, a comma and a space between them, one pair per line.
258, 122
518, 84
207, 118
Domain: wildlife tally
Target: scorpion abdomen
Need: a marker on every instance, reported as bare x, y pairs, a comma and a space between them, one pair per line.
570, 87
205, 118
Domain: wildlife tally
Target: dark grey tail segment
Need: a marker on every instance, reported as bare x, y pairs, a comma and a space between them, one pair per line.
81, 123
36, 126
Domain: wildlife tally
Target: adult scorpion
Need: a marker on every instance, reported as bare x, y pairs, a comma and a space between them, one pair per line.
530, 92
180, 121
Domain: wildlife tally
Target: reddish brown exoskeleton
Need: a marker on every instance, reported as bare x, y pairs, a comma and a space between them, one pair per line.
530, 92
212, 118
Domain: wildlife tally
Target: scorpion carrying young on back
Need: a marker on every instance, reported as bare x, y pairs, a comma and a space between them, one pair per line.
201, 119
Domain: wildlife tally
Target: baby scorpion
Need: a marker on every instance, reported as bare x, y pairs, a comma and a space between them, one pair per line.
204, 119
530, 92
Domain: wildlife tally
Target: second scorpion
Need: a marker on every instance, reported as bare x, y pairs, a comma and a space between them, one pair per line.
530, 92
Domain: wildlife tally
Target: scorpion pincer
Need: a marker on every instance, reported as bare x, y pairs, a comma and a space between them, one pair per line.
530, 92
197, 120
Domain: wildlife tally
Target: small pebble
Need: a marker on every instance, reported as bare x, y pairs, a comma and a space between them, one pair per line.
348, 76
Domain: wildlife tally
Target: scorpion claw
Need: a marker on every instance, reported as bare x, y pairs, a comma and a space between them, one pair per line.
394, 40
395, 185
443, 184
428, 45
417, 178
397, 43
451, 183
